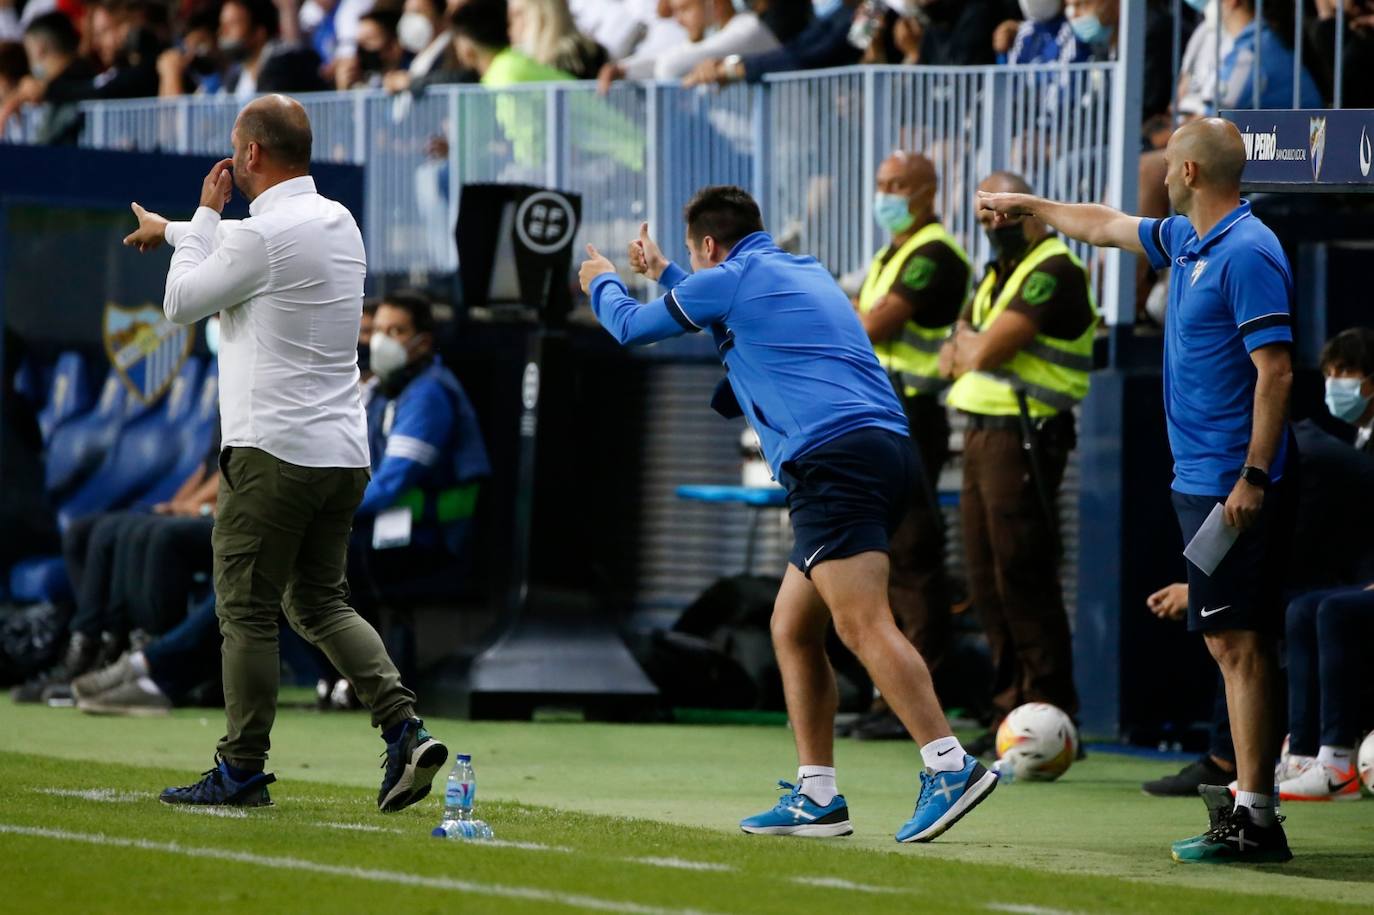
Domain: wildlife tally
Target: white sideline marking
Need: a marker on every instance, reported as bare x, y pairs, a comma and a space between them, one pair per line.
527, 846
681, 864
104, 795
229, 813
835, 883
575, 900
358, 827
1017, 908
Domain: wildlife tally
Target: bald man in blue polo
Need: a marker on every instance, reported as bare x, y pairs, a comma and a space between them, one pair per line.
1227, 377
799, 367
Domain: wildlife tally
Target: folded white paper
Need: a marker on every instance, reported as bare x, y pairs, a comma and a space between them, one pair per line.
1212, 542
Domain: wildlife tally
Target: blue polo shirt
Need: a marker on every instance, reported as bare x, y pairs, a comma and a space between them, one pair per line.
798, 360
1229, 294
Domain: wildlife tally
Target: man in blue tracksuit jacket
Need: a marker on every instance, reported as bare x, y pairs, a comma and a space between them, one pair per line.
427, 450
801, 370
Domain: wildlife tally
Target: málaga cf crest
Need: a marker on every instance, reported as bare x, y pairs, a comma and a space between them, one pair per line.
145, 348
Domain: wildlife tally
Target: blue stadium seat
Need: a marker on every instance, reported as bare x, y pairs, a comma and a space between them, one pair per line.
69, 393
143, 454
39, 578
78, 445
193, 434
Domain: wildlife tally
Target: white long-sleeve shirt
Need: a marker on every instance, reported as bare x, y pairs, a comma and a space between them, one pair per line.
287, 284
743, 34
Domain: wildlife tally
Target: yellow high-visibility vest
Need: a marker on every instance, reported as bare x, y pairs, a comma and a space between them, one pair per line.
913, 356
1053, 373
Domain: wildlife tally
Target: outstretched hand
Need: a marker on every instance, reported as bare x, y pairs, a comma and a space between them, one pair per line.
645, 257
151, 231
595, 265
1005, 205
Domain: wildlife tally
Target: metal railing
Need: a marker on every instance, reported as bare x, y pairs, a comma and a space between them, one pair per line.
806, 144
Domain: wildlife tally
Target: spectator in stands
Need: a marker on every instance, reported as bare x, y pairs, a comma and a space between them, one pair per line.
260, 61
958, 32
127, 50
195, 66
1044, 36
428, 458
1257, 44
379, 53
14, 66
626, 27
423, 33
823, 43
714, 30
58, 76
1357, 90
543, 31
482, 42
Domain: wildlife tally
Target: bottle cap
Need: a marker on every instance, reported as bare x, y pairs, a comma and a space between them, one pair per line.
463, 757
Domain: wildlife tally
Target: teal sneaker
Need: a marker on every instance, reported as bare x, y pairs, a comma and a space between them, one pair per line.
798, 815
945, 798
1237, 839
411, 763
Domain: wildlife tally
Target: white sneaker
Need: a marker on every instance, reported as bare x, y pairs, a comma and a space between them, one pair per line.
1320, 782
1290, 767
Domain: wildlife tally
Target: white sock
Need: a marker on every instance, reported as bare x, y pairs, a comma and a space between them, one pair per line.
1336, 757
148, 686
1261, 806
139, 663
943, 755
817, 783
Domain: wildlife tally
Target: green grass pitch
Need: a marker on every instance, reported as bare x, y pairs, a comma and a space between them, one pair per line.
633, 819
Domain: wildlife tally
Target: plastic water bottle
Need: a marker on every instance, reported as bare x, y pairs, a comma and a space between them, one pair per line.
1006, 774
460, 795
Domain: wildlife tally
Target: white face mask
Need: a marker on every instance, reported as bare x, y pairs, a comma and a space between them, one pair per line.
389, 355
1041, 10
212, 335
415, 32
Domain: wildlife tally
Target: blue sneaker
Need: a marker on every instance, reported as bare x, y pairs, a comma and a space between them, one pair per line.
217, 788
798, 815
945, 798
411, 763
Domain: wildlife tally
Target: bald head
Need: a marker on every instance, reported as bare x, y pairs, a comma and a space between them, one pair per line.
1214, 144
912, 176
280, 127
914, 169
1005, 183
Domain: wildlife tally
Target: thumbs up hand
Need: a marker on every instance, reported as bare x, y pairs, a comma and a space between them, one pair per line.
645, 257
595, 265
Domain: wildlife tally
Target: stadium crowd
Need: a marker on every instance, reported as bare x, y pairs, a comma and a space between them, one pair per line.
61, 52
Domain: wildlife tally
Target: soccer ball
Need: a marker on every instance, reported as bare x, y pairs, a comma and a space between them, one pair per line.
1038, 742
1366, 762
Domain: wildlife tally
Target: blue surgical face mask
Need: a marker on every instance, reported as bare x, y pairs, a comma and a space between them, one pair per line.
1090, 30
823, 8
212, 336
1200, 5
891, 212
1344, 400
742, 6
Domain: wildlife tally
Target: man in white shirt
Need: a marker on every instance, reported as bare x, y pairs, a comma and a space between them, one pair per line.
287, 284
714, 30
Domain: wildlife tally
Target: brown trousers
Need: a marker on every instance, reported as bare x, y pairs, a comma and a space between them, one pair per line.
918, 585
1013, 567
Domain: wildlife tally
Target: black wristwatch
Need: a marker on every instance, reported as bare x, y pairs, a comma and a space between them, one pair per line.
1254, 476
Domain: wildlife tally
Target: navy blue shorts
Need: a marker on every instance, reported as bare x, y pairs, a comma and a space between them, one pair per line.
849, 495
1246, 591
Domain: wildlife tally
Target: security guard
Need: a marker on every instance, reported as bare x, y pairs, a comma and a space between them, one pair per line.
1021, 357
915, 289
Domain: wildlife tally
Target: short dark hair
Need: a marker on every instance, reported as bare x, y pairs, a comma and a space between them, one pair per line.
482, 22
283, 131
370, 305
723, 211
1350, 350
387, 20
262, 13
57, 30
416, 304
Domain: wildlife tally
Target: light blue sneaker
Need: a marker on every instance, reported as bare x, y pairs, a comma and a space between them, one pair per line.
798, 815
945, 798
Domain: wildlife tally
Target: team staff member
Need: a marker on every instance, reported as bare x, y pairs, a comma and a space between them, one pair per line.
801, 369
1029, 328
1227, 376
914, 292
288, 285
